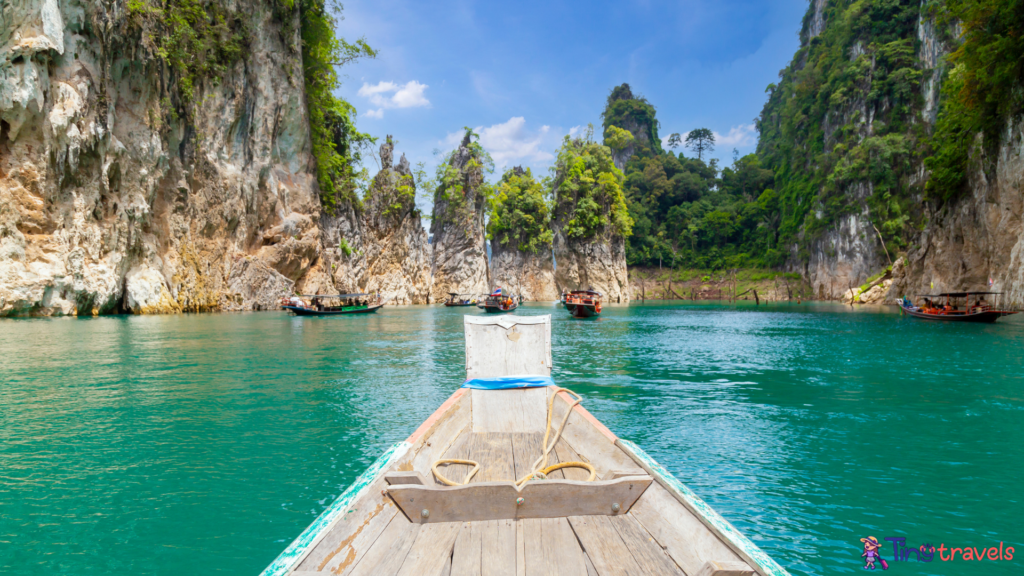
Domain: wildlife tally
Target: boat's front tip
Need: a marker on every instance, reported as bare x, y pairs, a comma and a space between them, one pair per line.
297, 550
762, 562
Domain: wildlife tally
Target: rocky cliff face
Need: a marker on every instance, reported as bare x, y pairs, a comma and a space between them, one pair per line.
530, 275
110, 199
459, 259
979, 238
598, 263
382, 248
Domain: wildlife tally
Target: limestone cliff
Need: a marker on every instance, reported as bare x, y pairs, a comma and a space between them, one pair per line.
520, 231
459, 258
118, 192
978, 238
383, 247
634, 114
590, 221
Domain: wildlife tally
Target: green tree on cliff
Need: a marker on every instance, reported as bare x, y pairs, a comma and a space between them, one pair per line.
520, 216
700, 141
588, 191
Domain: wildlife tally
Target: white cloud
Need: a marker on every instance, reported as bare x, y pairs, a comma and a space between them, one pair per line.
511, 142
575, 130
740, 136
391, 95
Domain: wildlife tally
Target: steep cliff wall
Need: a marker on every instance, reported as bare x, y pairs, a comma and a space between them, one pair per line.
979, 237
519, 228
120, 191
459, 258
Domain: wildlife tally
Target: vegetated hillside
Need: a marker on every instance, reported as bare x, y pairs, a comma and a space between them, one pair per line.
687, 212
891, 127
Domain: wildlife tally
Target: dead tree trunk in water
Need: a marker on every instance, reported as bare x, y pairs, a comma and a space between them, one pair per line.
757, 301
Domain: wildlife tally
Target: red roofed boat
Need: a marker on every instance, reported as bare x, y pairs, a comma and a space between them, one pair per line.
583, 303
951, 311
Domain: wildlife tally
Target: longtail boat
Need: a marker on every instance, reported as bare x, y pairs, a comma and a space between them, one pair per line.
499, 302
316, 305
951, 310
460, 300
464, 495
583, 303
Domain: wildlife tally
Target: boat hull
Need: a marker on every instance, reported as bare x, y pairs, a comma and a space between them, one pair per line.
309, 312
986, 317
582, 310
497, 309
450, 305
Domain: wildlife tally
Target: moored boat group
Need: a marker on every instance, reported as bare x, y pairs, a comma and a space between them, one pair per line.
579, 303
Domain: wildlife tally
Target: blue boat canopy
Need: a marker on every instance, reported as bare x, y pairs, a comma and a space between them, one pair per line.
508, 382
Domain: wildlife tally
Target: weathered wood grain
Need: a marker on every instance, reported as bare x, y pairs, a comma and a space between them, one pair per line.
497, 547
526, 448
431, 550
520, 549
552, 549
500, 500
587, 441
520, 410
466, 555
688, 541
387, 554
347, 540
439, 438
645, 550
493, 451
507, 346
604, 546
713, 568
565, 453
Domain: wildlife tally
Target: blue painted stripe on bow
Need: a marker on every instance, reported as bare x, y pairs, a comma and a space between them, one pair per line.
508, 382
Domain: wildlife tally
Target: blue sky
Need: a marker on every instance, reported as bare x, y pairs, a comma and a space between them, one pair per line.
527, 73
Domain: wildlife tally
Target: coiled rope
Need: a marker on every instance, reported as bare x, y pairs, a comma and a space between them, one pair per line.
540, 468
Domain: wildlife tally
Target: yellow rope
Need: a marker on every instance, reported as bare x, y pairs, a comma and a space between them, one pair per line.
448, 482
540, 468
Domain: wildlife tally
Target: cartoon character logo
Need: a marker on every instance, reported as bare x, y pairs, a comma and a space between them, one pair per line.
870, 554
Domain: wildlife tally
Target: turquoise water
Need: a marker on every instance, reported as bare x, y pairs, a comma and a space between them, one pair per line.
204, 444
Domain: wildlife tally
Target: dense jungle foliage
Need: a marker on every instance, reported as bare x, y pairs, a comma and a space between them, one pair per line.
588, 198
520, 217
984, 89
459, 178
843, 129
685, 212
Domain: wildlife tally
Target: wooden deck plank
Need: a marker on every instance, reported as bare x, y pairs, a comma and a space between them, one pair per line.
520, 549
388, 552
466, 554
459, 449
340, 550
604, 546
645, 549
526, 448
498, 547
431, 550
591, 443
685, 538
521, 410
591, 570
565, 453
552, 548
493, 451
440, 436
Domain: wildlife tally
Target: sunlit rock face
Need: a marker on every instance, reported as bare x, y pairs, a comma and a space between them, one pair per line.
530, 275
112, 201
978, 239
459, 257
